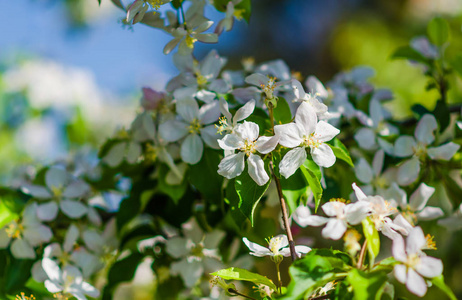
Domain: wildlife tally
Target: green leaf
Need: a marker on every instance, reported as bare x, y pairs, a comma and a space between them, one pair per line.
175, 192
409, 53
372, 236
118, 3
456, 64
442, 114
313, 176
232, 198
244, 275
204, 176
121, 271
295, 189
438, 31
316, 269
341, 152
439, 282
281, 113
366, 285
249, 193
17, 274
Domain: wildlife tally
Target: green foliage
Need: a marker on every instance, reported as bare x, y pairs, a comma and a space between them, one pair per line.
244, 275
316, 269
249, 193
245, 6
281, 113
341, 152
295, 189
313, 176
439, 282
372, 238
175, 192
204, 176
366, 285
438, 31
406, 52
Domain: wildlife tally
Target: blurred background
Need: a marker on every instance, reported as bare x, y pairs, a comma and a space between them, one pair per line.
71, 73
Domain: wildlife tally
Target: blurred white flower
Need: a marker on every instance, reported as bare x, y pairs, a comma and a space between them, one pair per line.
278, 245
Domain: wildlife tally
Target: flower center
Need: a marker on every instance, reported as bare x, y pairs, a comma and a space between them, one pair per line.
380, 182
60, 296
190, 40
249, 147
413, 260
155, 4
409, 215
431, 245
23, 296
275, 244
311, 141
248, 63
223, 125
197, 250
201, 80
195, 126
269, 87
420, 150
14, 230
238, 14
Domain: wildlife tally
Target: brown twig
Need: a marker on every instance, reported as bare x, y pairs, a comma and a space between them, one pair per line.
362, 255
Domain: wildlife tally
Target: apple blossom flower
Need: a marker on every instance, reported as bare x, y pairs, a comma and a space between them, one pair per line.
62, 189
229, 123
226, 24
417, 147
246, 140
193, 126
67, 282
267, 84
381, 209
415, 209
138, 9
369, 137
196, 251
454, 221
422, 45
305, 132
413, 264
26, 233
186, 36
340, 215
311, 98
277, 246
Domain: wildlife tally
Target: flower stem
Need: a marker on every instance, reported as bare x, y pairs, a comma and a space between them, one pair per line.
362, 255
282, 202
233, 291
279, 277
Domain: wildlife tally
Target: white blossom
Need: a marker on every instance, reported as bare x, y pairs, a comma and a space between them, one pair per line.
305, 132
278, 245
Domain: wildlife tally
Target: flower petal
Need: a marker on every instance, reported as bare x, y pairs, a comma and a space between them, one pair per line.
306, 118
56, 178
231, 142
377, 162
429, 213
425, 128
245, 111
173, 130
256, 249
415, 241
47, 211
400, 272
257, 169
323, 155
415, 283
292, 161
76, 189
420, 197
210, 136
363, 171
232, 165
266, 144
429, 267
73, 209
37, 235
325, 132
248, 131
209, 112
334, 229
21, 249
365, 137
192, 149
443, 152
290, 135
404, 146
409, 171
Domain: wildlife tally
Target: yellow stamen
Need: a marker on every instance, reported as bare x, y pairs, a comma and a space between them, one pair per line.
249, 147
195, 126
23, 296
431, 245
190, 41
14, 230
223, 125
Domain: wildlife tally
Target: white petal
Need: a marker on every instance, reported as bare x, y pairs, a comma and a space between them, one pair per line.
231, 142
209, 38
300, 214
312, 220
313, 84
333, 208
192, 149
443, 152
323, 155
430, 213
37, 191
115, 155
37, 272
37, 235
232, 165
400, 272
89, 290
4, 239
53, 251
256, 249
356, 212
358, 192
402, 223
73, 209
21, 249
306, 117
386, 146
334, 229
210, 136
224, 109
365, 137
425, 128
71, 237
290, 135
398, 249
76, 189
325, 132
190, 272
409, 171
363, 171
292, 161
377, 162
376, 111
266, 144
47, 211
257, 169
299, 92
177, 247
173, 130
52, 269
248, 131
53, 287
56, 178
209, 113
134, 151
420, 197
188, 109
415, 241
256, 79
404, 146
415, 283
397, 194
429, 267
245, 111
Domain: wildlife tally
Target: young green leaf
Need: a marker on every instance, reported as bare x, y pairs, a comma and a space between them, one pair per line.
281, 113
244, 275
341, 152
313, 176
438, 31
439, 282
372, 237
366, 285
